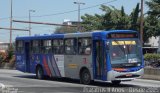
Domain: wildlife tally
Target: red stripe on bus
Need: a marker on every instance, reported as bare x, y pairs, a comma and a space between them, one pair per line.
46, 66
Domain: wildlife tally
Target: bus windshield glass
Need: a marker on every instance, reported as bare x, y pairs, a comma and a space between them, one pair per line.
125, 53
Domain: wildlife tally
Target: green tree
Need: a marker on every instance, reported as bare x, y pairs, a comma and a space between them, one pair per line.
65, 29
154, 8
152, 21
92, 22
111, 19
134, 18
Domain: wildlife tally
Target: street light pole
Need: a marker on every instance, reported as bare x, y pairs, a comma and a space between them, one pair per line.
141, 22
11, 26
79, 3
30, 21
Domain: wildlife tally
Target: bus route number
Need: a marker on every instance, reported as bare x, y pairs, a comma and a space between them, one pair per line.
84, 61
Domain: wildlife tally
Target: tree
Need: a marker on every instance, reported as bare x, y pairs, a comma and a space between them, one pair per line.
91, 22
134, 16
154, 8
152, 21
111, 19
150, 27
117, 19
65, 29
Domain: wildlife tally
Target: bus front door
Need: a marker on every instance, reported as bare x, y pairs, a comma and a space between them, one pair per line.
99, 60
27, 50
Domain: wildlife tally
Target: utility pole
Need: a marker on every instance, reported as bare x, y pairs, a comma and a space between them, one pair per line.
30, 21
11, 26
141, 22
79, 3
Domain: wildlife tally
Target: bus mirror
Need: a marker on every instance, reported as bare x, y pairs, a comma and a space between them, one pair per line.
107, 45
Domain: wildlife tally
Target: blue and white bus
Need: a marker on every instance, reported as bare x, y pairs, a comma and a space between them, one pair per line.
114, 55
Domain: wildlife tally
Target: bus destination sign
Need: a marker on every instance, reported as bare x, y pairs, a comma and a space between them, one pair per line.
123, 35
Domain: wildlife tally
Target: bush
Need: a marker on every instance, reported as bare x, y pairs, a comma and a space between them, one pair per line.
152, 57
3, 56
10, 53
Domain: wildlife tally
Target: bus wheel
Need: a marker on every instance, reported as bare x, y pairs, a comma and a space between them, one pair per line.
116, 82
85, 77
39, 73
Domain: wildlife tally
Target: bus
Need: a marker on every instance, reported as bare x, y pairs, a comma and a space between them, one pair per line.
114, 55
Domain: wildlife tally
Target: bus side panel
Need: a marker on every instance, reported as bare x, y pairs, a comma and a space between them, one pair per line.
74, 63
85, 61
38, 59
71, 66
20, 62
59, 59
53, 65
35, 59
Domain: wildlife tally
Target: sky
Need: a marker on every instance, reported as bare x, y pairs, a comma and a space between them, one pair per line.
49, 11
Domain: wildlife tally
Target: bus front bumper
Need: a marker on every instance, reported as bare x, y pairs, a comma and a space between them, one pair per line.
124, 76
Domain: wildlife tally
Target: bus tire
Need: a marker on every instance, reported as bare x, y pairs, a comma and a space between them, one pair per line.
85, 77
39, 73
116, 82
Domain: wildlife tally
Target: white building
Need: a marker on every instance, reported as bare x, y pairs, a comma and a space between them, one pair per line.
3, 46
153, 45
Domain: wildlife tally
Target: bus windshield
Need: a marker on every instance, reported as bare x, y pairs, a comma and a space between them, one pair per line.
125, 53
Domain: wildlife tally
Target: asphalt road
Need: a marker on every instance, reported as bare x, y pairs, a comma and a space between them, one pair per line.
13, 81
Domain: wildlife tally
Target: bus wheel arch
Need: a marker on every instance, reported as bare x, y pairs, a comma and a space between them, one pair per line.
39, 72
85, 75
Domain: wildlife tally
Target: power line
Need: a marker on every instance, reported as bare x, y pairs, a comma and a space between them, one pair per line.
4, 18
1, 33
13, 29
75, 10
60, 13
44, 23
98, 5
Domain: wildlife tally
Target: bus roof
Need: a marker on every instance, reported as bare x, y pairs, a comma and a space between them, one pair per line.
41, 37
51, 36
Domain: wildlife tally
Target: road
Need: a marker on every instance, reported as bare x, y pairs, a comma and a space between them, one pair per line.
19, 82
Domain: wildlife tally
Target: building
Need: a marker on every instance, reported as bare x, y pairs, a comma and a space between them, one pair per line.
68, 22
4, 46
152, 46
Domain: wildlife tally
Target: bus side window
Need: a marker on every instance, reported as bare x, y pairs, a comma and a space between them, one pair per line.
84, 46
70, 46
58, 46
46, 46
20, 46
35, 46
